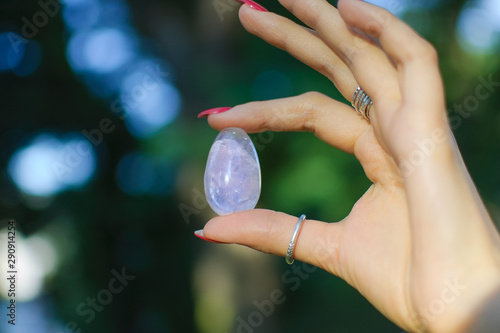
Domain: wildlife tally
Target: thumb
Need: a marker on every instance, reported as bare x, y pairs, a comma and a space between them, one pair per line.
270, 232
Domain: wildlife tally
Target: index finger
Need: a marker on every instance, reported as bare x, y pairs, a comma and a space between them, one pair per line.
331, 121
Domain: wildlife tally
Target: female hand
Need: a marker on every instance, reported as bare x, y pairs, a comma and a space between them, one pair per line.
419, 244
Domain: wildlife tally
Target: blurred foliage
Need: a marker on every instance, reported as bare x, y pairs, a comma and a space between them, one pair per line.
215, 63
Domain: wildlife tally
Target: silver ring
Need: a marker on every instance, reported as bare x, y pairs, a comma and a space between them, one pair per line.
291, 247
362, 103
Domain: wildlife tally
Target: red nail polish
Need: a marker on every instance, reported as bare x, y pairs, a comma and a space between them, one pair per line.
208, 112
253, 5
199, 234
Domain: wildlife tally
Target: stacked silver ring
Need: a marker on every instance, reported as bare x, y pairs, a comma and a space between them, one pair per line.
362, 103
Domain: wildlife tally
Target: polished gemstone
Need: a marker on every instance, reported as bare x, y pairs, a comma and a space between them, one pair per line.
232, 175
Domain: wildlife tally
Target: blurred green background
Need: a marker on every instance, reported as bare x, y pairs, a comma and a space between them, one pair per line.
102, 161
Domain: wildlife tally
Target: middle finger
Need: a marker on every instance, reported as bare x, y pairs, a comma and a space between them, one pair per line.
303, 44
370, 66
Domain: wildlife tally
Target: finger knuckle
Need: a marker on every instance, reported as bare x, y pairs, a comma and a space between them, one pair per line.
423, 51
348, 53
373, 28
380, 21
321, 18
351, 51
384, 17
313, 95
429, 52
269, 225
328, 67
308, 111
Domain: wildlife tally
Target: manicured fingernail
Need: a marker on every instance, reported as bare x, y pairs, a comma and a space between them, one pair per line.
253, 5
208, 112
199, 234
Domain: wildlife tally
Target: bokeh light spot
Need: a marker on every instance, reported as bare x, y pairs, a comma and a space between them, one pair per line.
478, 27
81, 14
19, 55
48, 165
31, 271
149, 100
30, 61
12, 48
106, 50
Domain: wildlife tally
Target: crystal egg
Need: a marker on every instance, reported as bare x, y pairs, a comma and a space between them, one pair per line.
232, 175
